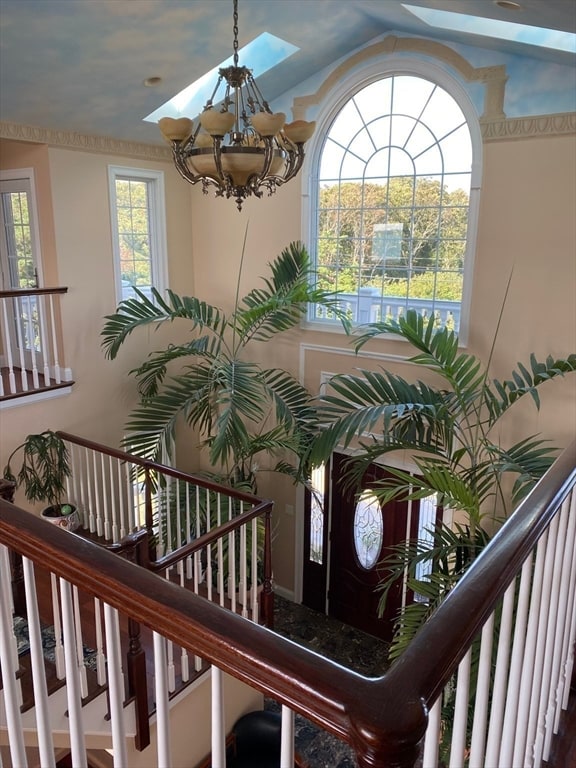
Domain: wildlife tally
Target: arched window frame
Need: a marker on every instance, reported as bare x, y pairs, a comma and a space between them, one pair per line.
359, 78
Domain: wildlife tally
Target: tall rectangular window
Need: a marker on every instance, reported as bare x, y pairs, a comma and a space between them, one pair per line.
138, 229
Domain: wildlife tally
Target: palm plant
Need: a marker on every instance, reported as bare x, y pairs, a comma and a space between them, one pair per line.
449, 430
239, 407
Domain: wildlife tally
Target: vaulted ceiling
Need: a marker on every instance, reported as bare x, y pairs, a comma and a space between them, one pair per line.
81, 64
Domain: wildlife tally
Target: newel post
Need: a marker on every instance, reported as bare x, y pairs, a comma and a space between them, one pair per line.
138, 552
267, 596
388, 728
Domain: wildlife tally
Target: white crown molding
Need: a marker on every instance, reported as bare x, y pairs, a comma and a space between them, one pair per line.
82, 142
560, 124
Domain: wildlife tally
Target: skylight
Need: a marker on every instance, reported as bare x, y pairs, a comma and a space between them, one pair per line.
503, 30
263, 53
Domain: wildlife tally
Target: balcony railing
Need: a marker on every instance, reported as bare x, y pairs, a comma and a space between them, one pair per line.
369, 306
513, 614
31, 351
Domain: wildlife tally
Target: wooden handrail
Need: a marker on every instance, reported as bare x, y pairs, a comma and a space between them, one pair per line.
17, 292
382, 718
210, 537
177, 474
438, 648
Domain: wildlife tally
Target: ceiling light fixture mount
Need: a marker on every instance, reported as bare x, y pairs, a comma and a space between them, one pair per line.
238, 147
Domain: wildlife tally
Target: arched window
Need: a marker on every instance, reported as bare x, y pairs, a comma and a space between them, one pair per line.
394, 217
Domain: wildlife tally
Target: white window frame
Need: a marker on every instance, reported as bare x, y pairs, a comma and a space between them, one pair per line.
364, 75
156, 222
22, 180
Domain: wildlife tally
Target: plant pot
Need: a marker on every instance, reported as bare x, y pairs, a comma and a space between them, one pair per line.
70, 521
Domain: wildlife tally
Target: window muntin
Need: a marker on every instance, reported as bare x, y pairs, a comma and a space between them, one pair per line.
393, 200
19, 248
139, 230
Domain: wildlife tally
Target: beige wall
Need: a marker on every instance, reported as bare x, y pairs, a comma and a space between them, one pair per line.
526, 223
73, 186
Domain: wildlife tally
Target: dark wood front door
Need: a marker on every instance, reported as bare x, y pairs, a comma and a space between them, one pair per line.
361, 532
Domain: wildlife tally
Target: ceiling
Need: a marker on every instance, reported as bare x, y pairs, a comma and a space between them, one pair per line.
80, 64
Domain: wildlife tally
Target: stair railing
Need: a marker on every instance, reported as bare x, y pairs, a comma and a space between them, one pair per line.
384, 719
32, 358
209, 537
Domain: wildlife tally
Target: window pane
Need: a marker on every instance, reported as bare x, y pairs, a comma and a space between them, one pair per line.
394, 198
368, 530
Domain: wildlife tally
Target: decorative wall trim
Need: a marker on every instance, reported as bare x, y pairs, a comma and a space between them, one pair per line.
83, 142
494, 78
494, 124
349, 352
561, 124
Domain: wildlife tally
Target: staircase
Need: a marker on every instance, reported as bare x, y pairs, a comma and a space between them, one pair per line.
516, 606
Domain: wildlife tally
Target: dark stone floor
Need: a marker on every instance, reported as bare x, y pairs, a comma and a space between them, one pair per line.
345, 645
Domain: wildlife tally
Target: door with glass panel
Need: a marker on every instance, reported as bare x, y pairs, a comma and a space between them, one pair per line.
18, 272
346, 537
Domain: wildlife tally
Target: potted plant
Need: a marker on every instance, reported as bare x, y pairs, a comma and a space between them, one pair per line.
43, 472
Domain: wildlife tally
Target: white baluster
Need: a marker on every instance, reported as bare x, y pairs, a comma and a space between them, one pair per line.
116, 686
9, 669
528, 661
184, 667
41, 706
188, 531
8, 350
97, 490
243, 572
91, 502
74, 701
502, 678
209, 547
162, 714
56, 362
168, 512
458, 744
114, 499
44, 356
432, 738
556, 625
170, 651
21, 341
287, 738
124, 524
254, 578
482, 696
218, 723
105, 498
570, 630
535, 733
220, 552
79, 645
31, 334
100, 657
58, 647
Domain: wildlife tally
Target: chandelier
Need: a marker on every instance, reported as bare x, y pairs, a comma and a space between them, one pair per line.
237, 146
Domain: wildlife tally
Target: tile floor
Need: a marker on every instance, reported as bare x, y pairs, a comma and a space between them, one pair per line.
347, 646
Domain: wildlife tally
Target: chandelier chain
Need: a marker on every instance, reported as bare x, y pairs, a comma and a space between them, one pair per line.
235, 29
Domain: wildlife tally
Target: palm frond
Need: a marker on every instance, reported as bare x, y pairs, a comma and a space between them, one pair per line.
135, 313
283, 302
525, 382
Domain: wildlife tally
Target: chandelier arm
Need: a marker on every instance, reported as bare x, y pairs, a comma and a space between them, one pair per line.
238, 147
180, 161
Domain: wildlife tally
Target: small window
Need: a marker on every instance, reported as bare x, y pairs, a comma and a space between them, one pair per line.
139, 230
